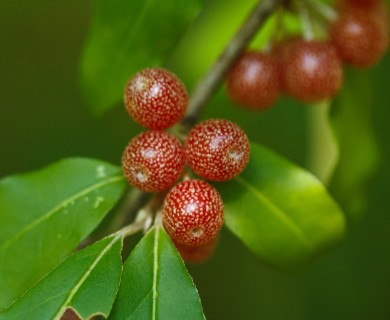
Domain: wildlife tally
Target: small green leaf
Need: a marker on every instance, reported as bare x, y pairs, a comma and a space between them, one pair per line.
87, 282
351, 120
155, 283
45, 214
323, 149
281, 212
125, 37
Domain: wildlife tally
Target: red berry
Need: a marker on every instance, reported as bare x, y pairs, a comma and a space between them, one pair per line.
217, 149
253, 82
193, 213
311, 70
155, 98
197, 254
362, 4
153, 161
280, 51
360, 39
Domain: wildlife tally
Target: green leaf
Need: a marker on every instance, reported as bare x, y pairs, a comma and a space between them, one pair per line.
281, 212
87, 281
155, 283
323, 148
351, 120
126, 36
45, 214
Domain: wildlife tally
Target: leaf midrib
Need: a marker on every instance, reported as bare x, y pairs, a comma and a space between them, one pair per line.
155, 267
57, 208
85, 276
278, 212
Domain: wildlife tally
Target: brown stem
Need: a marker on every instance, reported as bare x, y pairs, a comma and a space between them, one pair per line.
211, 81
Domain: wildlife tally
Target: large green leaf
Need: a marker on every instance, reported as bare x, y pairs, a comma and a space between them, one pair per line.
281, 212
125, 37
87, 281
156, 284
45, 214
351, 120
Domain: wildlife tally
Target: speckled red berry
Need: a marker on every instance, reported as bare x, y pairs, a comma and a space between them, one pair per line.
197, 254
193, 213
153, 161
253, 82
280, 52
155, 98
360, 38
217, 149
311, 70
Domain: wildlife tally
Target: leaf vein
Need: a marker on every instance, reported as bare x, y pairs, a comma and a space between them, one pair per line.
277, 211
140, 304
155, 267
85, 276
57, 208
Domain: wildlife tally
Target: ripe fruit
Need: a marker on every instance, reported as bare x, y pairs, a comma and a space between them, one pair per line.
360, 38
197, 254
153, 161
280, 51
193, 213
363, 4
253, 82
217, 149
311, 70
155, 98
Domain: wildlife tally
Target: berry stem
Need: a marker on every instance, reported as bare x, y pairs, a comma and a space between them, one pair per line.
279, 32
158, 219
307, 25
143, 205
143, 220
323, 9
131, 228
214, 76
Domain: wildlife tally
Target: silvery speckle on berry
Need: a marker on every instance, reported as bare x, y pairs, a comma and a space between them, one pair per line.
193, 213
196, 254
311, 70
153, 161
155, 98
254, 82
217, 149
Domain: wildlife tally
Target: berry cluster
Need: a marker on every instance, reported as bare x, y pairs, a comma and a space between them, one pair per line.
156, 99
361, 32
217, 149
311, 70
153, 161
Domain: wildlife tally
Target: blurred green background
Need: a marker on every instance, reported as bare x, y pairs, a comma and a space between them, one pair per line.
43, 118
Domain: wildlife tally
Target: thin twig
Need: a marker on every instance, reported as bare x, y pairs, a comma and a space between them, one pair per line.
141, 222
132, 228
210, 82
